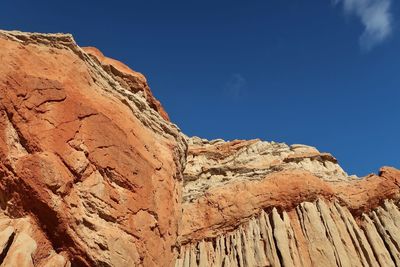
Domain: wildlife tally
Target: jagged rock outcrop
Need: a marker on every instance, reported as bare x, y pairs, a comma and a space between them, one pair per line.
128, 78
213, 163
93, 173
90, 160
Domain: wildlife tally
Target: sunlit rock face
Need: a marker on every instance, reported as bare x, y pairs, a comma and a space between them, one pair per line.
312, 234
86, 157
216, 162
93, 173
254, 203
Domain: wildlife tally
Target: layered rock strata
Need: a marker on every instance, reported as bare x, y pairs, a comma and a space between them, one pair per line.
255, 203
214, 163
93, 173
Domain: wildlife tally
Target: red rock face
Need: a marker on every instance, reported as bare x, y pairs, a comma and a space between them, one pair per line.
92, 173
85, 157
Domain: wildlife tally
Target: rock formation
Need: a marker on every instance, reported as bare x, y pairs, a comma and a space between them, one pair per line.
93, 173
85, 157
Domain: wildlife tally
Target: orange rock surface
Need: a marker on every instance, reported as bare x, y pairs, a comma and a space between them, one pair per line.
93, 173
223, 208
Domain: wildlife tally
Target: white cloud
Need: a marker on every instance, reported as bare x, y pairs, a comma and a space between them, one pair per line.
376, 17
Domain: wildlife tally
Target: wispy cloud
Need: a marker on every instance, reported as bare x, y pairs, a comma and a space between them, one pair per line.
376, 17
235, 86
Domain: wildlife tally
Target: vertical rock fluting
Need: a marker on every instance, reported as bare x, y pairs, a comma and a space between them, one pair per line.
313, 234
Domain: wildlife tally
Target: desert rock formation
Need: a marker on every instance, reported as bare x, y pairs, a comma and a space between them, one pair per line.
85, 157
312, 234
93, 173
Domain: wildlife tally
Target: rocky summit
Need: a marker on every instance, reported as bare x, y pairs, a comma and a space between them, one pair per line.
93, 173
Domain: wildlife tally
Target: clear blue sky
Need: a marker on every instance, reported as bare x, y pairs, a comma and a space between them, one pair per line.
287, 71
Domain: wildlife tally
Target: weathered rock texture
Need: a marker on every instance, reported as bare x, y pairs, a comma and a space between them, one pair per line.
254, 203
93, 173
86, 156
214, 163
312, 234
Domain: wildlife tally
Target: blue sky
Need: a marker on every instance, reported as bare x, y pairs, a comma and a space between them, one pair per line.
322, 73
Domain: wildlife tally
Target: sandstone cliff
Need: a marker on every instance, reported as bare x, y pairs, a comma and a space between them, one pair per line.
86, 158
93, 173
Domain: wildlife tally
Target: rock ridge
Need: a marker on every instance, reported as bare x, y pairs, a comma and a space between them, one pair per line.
242, 160
87, 159
94, 173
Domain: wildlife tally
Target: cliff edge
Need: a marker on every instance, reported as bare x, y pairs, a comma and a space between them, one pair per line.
93, 173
